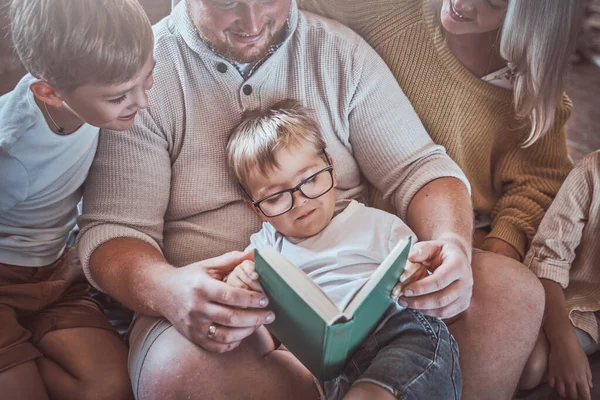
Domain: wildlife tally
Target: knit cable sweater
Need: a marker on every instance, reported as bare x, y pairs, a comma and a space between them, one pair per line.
474, 120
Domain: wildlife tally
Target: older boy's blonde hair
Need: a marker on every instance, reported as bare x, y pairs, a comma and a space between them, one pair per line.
254, 143
70, 43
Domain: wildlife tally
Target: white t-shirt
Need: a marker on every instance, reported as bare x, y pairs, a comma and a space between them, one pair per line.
342, 256
41, 178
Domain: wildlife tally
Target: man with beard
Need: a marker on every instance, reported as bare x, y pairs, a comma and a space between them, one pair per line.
163, 218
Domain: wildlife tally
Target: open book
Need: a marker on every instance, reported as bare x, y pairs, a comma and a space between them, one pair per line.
310, 324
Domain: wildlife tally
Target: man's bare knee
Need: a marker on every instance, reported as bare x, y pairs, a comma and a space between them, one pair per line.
504, 278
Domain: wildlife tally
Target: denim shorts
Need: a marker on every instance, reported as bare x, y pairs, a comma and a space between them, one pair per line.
411, 355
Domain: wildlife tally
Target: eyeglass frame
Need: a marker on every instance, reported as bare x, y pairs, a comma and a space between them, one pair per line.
297, 188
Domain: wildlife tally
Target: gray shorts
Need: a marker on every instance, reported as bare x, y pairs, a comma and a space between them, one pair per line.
143, 333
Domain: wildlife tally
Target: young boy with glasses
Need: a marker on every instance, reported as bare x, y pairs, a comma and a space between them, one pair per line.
90, 64
280, 162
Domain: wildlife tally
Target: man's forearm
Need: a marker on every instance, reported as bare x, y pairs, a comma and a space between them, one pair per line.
442, 208
133, 272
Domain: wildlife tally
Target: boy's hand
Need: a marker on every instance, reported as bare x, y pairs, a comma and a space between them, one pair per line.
412, 273
569, 370
245, 277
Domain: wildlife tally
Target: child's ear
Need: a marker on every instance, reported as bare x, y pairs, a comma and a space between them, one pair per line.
256, 210
333, 170
46, 93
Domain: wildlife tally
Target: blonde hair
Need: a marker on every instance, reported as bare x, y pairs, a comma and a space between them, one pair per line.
536, 41
254, 143
70, 43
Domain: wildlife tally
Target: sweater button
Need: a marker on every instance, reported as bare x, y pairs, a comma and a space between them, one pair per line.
247, 89
221, 67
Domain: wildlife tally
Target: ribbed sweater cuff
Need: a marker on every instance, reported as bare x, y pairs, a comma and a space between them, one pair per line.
548, 269
94, 237
508, 232
435, 167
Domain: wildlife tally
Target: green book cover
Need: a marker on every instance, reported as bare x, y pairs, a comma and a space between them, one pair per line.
309, 324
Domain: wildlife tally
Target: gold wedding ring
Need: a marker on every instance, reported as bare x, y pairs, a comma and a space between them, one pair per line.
212, 329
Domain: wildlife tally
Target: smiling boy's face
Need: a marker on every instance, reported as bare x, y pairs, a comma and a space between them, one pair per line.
307, 216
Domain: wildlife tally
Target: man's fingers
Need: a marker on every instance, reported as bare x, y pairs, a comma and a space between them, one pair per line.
222, 293
440, 279
227, 261
228, 335
412, 273
216, 347
425, 252
235, 317
451, 310
439, 299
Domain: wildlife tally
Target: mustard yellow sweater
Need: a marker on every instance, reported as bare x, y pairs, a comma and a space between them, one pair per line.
472, 119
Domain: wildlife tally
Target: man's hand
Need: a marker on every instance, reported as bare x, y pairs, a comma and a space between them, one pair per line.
244, 277
412, 273
569, 370
447, 291
197, 298
499, 246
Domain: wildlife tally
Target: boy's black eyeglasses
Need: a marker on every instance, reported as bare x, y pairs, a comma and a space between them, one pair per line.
281, 202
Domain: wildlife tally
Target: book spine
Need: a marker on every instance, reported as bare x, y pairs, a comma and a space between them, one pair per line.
335, 349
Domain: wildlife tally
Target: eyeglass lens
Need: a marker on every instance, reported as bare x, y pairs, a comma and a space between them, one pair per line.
315, 186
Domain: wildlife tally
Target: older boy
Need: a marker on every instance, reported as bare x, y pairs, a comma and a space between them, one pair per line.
338, 244
90, 63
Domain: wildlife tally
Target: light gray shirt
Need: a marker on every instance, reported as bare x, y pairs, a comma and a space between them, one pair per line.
41, 177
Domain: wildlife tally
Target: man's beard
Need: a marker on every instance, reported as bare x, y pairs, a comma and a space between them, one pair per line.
246, 55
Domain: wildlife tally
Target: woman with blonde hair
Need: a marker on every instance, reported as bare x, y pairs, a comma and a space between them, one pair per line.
487, 79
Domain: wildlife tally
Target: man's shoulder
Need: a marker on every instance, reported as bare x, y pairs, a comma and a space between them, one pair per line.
375, 21
325, 31
165, 34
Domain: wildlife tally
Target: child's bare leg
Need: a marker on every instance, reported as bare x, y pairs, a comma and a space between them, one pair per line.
22, 382
368, 391
84, 363
537, 365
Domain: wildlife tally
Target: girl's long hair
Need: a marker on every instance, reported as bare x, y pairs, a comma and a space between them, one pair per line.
536, 40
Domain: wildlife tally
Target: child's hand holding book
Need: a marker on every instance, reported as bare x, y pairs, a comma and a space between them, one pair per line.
245, 277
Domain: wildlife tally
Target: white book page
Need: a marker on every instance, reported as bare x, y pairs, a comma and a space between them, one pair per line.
304, 286
374, 279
